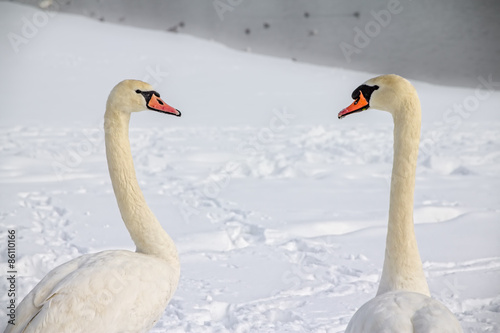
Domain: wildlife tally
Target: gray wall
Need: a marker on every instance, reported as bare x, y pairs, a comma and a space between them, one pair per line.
451, 42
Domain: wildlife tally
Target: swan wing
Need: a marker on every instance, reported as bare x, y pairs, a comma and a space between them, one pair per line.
403, 312
33, 303
110, 291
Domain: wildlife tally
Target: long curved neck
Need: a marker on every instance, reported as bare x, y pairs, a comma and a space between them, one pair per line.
145, 230
402, 265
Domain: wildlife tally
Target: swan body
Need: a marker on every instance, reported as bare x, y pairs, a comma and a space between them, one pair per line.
403, 311
403, 303
116, 290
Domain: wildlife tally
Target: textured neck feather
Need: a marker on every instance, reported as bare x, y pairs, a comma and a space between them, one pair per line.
145, 230
402, 265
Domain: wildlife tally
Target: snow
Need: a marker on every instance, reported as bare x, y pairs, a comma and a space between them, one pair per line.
278, 209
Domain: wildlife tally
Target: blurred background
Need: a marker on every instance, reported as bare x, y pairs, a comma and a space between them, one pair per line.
450, 42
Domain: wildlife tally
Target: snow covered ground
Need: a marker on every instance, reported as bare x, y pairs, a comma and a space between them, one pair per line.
278, 209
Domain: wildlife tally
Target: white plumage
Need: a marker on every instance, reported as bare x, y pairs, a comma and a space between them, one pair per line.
403, 303
403, 311
111, 291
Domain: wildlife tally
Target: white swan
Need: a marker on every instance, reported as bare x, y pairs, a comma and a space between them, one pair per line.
403, 303
112, 291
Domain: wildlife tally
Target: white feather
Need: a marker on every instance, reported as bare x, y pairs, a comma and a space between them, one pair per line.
403, 303
110, 291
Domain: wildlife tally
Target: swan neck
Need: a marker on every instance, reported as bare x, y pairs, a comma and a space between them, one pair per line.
402, 265
145, 230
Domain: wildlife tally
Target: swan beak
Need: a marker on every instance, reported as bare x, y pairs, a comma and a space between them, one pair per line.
157, 104
358, 105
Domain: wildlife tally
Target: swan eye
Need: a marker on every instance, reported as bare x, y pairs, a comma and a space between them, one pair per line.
138, 91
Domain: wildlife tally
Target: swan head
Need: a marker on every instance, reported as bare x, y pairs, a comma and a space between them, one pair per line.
386, 92
133, 96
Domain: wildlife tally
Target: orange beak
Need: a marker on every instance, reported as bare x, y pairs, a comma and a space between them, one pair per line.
157, 104
358, 105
